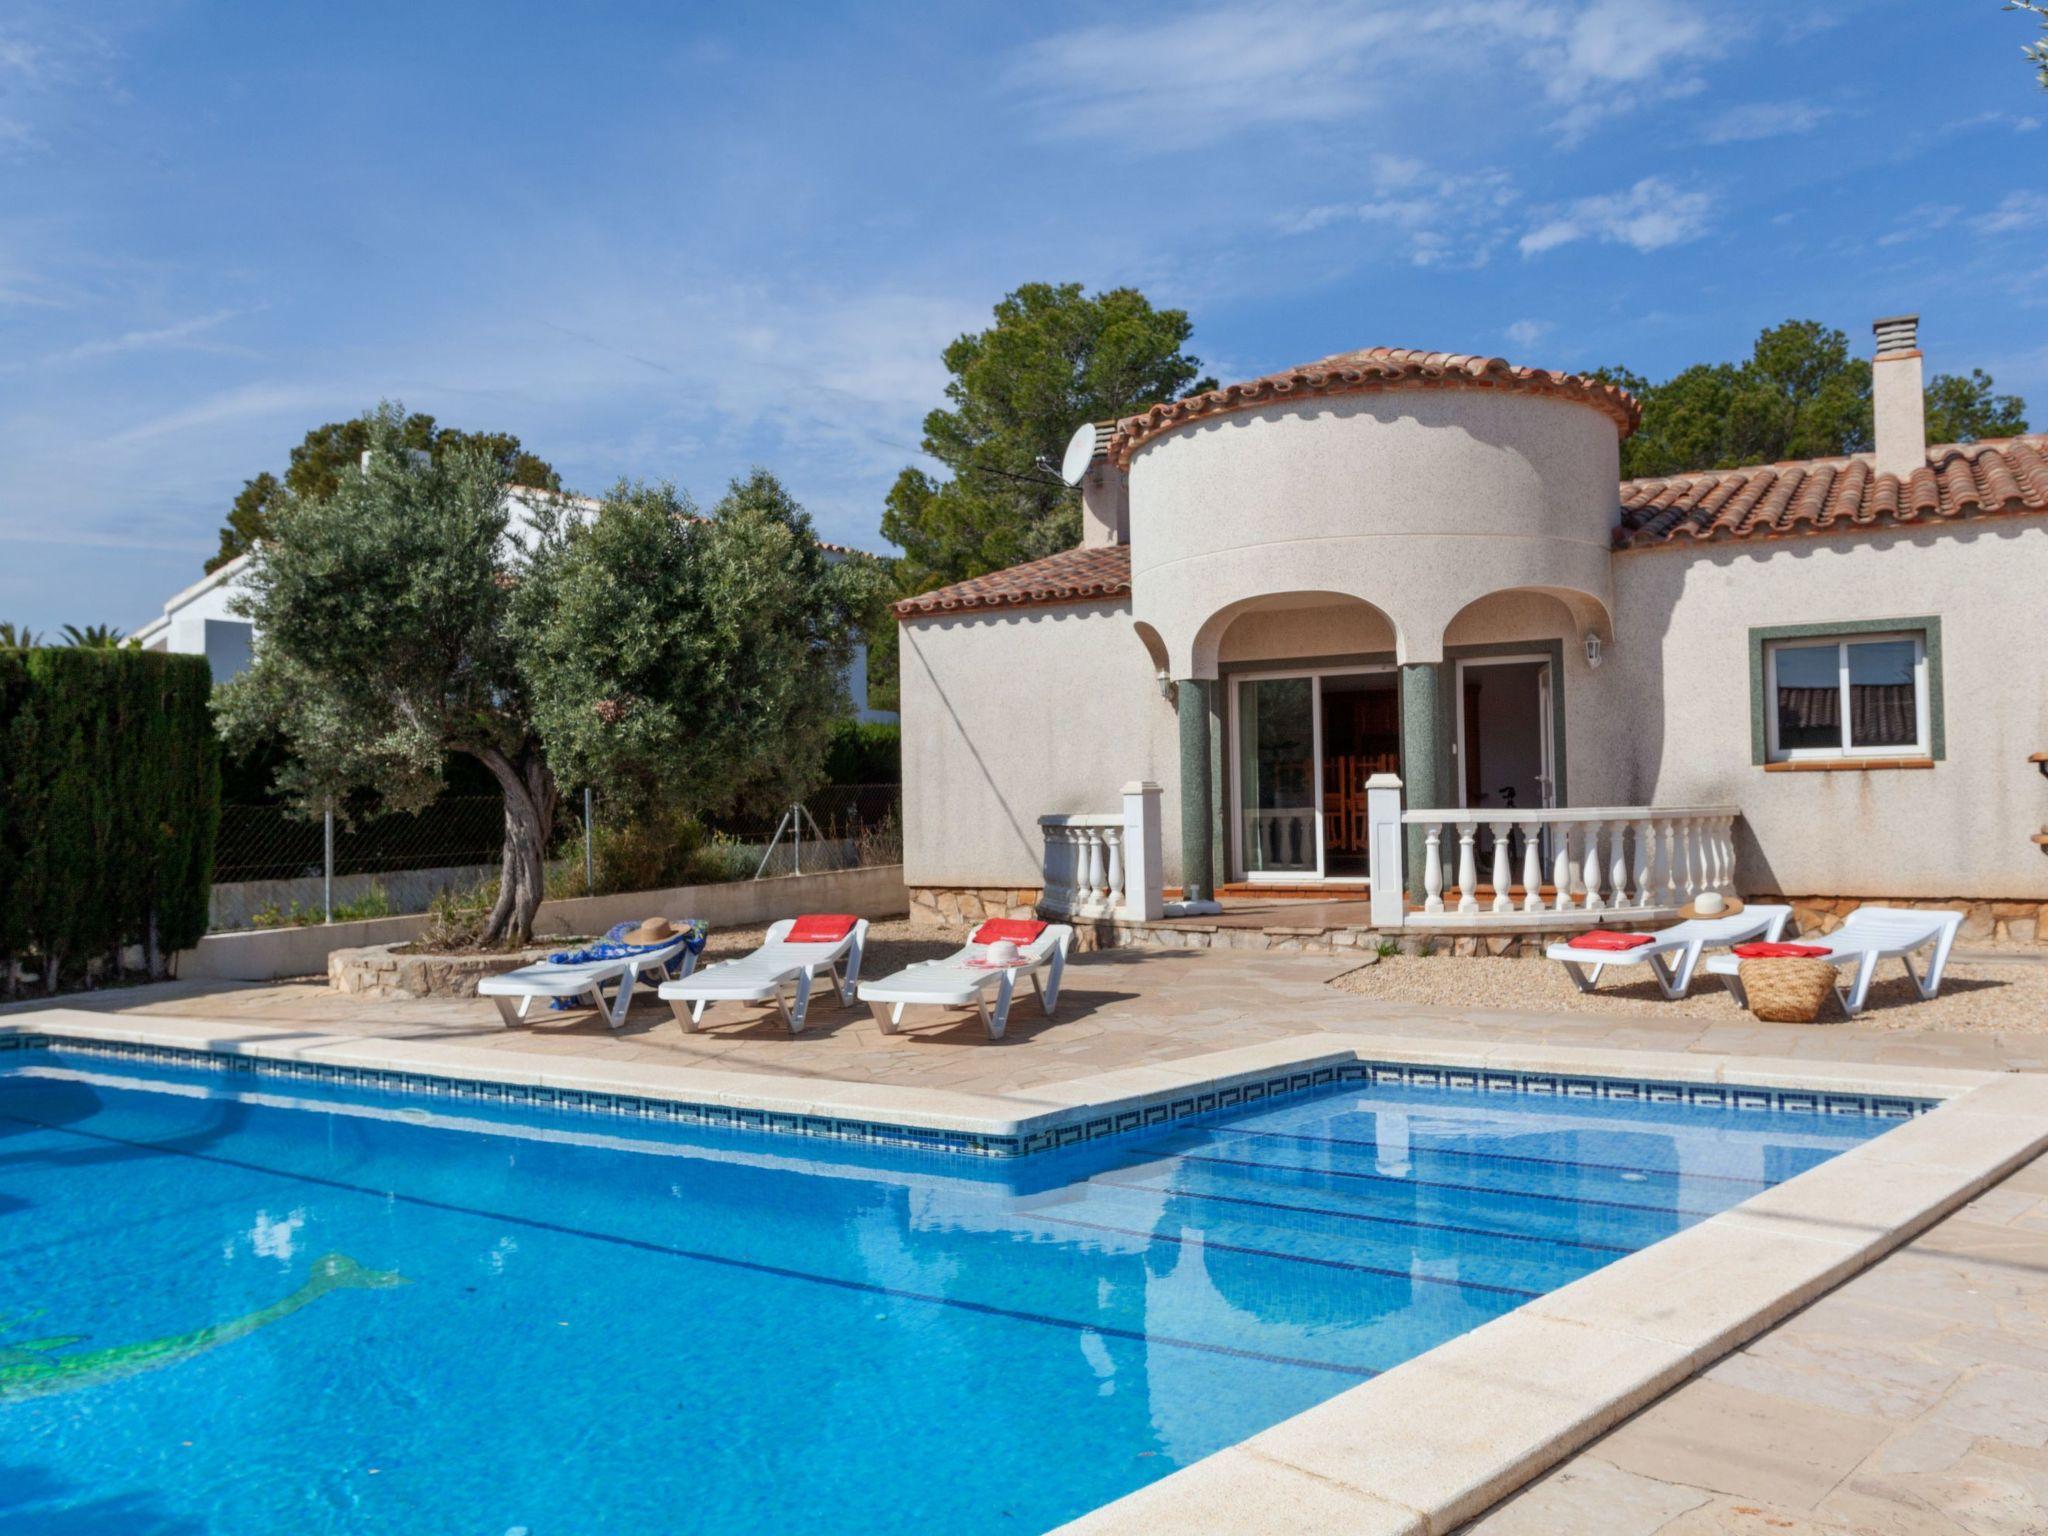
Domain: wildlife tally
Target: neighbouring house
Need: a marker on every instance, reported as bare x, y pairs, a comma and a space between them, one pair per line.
1821, 679
199, 620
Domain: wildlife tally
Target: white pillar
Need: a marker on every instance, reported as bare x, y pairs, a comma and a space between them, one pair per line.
1385, 846
1468, 867
1433, 867
1532, 867
1143, 901
1502, 878
1592, 868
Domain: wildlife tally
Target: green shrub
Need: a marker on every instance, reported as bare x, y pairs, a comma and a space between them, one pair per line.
864, 753
109, 802
650, 853
375, 902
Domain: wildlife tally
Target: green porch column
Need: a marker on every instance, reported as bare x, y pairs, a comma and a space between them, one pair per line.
1197, 793
1425, 763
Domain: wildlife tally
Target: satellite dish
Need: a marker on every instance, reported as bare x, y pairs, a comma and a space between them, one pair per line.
1080, 453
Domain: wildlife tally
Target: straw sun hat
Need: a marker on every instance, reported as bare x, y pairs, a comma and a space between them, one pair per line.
656, 930
1711, 904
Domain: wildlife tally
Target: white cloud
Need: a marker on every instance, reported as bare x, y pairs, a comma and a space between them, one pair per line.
1526, 333
1598, 60
2017, 211
1764, 120
19, 56
1649, 216
1921, 221
1441, 220
283, 402
180, 333
2013, 122
1203, 75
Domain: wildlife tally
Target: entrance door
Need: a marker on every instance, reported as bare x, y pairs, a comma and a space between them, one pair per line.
1276, 778
1303, 747
1361, 715
1504, 734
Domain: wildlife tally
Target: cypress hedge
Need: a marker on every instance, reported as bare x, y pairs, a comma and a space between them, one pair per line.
109, 802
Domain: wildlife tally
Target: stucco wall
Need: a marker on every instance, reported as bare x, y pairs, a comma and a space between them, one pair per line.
1322, 629
1417, 502
1958, 829
1020, 714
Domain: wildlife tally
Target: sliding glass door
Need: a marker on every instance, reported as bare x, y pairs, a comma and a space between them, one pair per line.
1278, 832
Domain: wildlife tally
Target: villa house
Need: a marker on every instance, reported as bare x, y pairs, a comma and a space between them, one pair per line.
200, 620
1821, 679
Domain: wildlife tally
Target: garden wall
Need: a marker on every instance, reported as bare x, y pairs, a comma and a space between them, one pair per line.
273, 953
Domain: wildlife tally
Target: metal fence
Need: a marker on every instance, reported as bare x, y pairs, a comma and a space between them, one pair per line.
842, 826
271, 865
268, 842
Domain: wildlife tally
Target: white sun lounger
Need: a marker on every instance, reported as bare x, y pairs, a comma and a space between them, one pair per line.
1674, 953
955, 983
1868, 935
515, 991
763, 975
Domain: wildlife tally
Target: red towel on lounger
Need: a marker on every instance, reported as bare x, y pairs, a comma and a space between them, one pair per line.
1023, 930
820, 928
1608, 939
1766, 951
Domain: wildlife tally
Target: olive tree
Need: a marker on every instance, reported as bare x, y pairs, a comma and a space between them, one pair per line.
691, 665
384, 615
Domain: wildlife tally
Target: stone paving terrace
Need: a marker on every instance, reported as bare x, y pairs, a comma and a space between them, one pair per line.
1913, 1399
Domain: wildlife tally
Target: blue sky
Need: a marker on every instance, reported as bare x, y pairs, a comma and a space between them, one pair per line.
672, 241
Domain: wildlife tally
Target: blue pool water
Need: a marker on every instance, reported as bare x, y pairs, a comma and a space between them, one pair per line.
246, 1305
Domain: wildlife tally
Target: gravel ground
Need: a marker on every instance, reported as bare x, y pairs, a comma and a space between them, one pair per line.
1975, 995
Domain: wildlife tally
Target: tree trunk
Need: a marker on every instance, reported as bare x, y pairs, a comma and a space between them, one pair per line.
530, 798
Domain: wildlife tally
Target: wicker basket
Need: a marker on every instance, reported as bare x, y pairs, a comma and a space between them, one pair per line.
1786, 990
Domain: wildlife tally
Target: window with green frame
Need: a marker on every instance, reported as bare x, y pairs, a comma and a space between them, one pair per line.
1846, 691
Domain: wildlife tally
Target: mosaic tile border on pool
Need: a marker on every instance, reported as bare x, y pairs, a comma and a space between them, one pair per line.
1167, 1110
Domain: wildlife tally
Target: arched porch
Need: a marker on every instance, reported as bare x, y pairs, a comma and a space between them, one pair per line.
1291, 702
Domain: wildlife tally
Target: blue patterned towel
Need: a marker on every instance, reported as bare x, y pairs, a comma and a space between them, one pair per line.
613, 946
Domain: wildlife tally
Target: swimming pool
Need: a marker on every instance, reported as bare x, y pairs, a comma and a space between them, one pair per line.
239, 1305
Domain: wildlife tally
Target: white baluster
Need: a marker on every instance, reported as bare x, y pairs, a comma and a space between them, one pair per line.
1673, 897
1113, 891
1532, 868
1561, 866
1646, 850
1724, 845
1591, 866
1502, 879
1617, 863
1468, 867
1433, 868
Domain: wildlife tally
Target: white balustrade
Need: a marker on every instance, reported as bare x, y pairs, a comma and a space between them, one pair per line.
1084, 864
1610, 860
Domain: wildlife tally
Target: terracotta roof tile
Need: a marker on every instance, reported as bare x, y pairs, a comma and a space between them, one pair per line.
1366, 371
1813, 496
1089, 574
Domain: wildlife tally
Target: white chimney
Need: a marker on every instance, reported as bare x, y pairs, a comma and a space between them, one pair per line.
1897, 397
